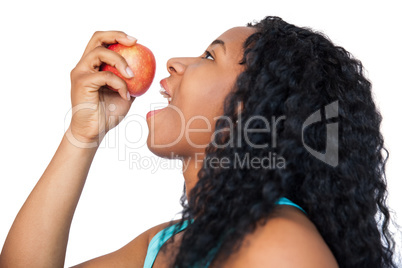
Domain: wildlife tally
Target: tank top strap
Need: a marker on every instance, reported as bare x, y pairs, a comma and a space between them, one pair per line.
158, 240
285, 201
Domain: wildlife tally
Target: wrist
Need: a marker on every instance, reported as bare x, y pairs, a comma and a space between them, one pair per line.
82, 142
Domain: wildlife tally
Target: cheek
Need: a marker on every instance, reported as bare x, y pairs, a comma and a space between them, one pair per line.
202, 106
204, 96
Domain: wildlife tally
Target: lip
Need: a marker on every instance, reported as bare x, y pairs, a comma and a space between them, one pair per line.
164, 84
153, 112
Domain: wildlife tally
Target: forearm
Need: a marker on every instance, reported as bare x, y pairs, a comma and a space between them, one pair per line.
39, 234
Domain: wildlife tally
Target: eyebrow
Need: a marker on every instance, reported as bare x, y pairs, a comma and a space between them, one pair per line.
219, 42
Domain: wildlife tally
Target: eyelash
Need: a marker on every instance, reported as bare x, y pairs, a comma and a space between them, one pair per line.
208, 54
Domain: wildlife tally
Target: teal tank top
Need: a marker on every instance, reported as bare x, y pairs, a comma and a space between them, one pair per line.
161, 237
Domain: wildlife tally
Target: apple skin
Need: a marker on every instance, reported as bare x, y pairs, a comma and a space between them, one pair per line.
141, 61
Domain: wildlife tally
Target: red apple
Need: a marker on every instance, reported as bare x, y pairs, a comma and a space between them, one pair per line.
141, 61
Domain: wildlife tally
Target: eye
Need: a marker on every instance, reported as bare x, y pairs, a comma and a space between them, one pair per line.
208, 55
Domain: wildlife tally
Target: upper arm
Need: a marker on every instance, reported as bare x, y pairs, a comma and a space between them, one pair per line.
284, 242
131, 255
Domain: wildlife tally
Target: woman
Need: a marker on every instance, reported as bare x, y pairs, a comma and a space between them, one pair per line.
250, 100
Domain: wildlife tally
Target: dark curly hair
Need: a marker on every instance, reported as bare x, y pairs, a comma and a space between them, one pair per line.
292, 72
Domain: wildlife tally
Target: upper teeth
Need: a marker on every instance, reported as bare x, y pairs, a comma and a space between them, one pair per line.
165, 94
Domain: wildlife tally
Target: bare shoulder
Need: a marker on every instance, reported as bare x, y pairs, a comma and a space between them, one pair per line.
287, 239
156, 229
131, 255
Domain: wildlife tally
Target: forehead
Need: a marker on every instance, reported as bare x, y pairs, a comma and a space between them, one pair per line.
236, 35
234, 39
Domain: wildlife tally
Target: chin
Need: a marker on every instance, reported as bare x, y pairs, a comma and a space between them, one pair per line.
164, 140
165, 151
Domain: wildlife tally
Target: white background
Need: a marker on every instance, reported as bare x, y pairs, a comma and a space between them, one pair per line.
42, 41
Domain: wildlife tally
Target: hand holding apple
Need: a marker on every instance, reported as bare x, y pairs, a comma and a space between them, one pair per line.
95, 108
141, 61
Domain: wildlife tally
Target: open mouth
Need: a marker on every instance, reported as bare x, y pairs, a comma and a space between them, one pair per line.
165, 94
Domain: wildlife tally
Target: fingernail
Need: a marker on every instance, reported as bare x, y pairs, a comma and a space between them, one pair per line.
129, 72
128, 95
129, 37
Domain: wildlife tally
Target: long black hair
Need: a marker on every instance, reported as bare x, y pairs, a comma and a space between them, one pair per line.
290, 73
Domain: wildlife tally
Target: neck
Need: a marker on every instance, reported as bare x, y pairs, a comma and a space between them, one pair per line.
191, 166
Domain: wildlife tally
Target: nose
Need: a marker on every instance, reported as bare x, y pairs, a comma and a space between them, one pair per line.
178, 65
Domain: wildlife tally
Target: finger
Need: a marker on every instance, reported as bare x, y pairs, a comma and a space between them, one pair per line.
100, 55
102, 38
100, 79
